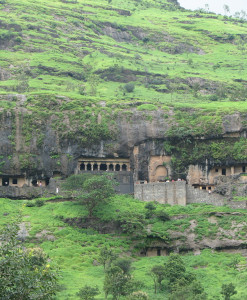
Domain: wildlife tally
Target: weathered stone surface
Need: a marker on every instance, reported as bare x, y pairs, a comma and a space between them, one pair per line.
145, 130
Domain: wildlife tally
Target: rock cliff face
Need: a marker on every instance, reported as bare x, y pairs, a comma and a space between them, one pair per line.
37, 146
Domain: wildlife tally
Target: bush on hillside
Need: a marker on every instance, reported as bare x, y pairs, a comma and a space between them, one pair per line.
129, 87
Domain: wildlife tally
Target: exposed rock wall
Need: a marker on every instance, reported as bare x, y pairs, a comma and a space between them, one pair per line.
42, 150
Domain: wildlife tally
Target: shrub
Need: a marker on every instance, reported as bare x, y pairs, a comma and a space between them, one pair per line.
214, 97
140, 295
30, 204
129, 87
88, 292
163, 216
39, 202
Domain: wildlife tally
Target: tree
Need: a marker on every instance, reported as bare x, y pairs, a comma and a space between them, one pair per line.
158, 274
207, 7
226, 9
90, 190
88, 292
96, 190
124, 264
129, 87
106, 256
133, 223
24, 273
117, 283
188, 293
188, 288
175, 268
228, 290
150, 207
74, 184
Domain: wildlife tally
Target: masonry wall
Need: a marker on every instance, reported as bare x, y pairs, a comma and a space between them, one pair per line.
202, 196
179, 193
237, 204
29, 192
163, 192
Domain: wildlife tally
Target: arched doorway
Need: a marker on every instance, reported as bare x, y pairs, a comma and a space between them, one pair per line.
160, 173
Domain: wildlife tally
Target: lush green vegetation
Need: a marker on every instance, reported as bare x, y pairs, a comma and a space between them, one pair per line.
186, 149
77, 250
82, 65
84, 62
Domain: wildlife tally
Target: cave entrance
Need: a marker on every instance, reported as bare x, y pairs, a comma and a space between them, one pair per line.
111, 167
124, 167
103, 167
82, 167
158, 252
95, 167
117, 167
47, 181
223, 171
14, 181
34, 182
5, 181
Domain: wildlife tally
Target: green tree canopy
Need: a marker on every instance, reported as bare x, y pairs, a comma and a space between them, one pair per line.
158, 274
228, 290
96, 190
175, 268
91, 190
88, 293
24, 273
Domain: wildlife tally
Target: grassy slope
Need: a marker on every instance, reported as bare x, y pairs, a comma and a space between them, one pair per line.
60, 48
74, 250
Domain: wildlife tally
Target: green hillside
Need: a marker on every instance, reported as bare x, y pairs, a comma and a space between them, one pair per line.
123, 79
75, 249
90, 50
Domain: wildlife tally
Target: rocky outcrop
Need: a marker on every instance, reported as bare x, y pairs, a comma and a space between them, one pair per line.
231, 186
43, 144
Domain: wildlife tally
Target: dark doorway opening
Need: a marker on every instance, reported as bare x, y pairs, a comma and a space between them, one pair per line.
223, 171
158, 252
82, 167
124, 167
103, 167
243, 169
89, 167
34, 182
95, 167
5, 181
47, 181
111, 167
14, 181
117, 167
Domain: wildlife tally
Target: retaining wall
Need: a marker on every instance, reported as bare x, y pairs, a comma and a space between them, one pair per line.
163, 192
200, 196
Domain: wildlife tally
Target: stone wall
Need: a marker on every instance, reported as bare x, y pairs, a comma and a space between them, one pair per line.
178, 192
201, 196
237, 204
163, 192
29, 192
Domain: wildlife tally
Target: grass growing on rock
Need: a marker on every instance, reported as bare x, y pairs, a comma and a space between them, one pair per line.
75, 250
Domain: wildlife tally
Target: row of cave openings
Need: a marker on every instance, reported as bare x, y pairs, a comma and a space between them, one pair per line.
103, 167
223, 171
7, 181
